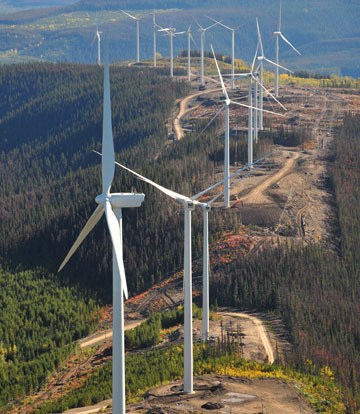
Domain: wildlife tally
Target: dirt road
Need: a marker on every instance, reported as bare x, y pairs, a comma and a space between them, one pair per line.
257, 196
106, 335
262, 331
183, 109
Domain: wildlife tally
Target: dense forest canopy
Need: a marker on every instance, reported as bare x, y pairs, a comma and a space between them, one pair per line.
51, 176
40, 319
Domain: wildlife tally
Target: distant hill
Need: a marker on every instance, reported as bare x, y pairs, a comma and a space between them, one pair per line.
326, 32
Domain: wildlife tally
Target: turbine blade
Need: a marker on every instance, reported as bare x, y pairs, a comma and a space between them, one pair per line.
116, 240
129, 15
255, 56
192, 38
179, 33
94, 39
108, 157
286, 41
220, 23
279, 25
209, 27
266, 90
244, 74
275, 64
170, 193
221, 78
199, 25
93, 220
257, 109
259, 37
166, 29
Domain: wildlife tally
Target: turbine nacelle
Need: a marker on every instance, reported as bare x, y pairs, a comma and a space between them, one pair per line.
121, 200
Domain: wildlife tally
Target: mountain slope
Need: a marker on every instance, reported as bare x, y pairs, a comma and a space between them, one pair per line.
326, 32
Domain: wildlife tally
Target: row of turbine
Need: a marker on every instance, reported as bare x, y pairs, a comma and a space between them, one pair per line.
171, 32
113, 203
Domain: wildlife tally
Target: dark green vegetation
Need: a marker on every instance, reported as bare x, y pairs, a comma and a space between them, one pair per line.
51, 176
326, 32
148, 333
39, 320
315, 291
152, 368
50, 121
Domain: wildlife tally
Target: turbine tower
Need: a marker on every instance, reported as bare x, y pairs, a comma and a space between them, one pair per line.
188, 205
155, 26
278, 34
232, 30
189, 39
137, 34
112, 204
202, 31
228, 102
171, 31
97, 36
261, 58
206, 267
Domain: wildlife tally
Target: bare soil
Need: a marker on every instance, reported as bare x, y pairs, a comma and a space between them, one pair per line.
226, 395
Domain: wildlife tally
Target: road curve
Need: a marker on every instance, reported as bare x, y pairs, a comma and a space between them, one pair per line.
257, 196
179, 132
261, 330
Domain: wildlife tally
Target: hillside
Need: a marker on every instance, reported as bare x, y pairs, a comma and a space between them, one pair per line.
325, 32
50, 121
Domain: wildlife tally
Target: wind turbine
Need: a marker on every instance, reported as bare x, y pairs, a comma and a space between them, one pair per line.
261, 58
188, 204
232, 30
189, 39
155, 26
171, 31
202, 31
228, 102
137, 34
97, 36
112, 204
278, 34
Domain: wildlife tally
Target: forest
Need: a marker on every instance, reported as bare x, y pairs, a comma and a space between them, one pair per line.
50, 121
40, 320
315, 291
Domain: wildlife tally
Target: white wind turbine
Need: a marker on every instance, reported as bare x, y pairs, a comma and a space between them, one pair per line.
137, 34
155, 26
171, 32
188, 205
189, 39
278, 34
202, 31
232, 30
228, 102
112, 204
97, 36
254, 85
261, 58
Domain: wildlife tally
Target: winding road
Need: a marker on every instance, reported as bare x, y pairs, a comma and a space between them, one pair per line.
183, 109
